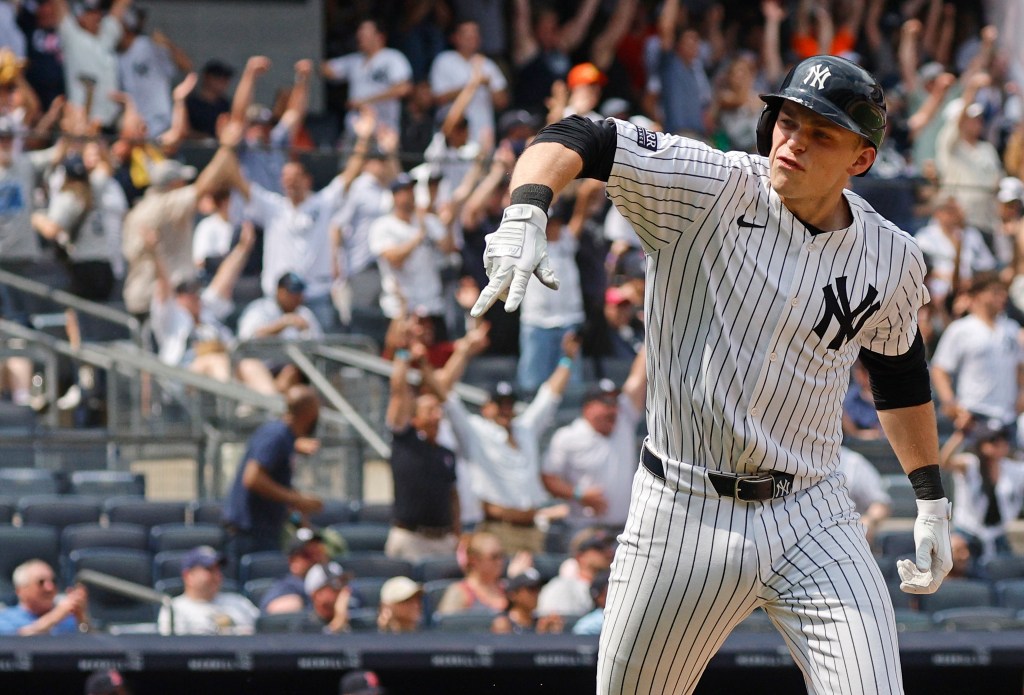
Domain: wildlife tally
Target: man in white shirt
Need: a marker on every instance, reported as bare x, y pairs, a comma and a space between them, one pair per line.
591, 461
212, 239
505, 448
282, 315
203, 609
569, 592
377, 76
147, 67
982, 352
89, 40
451, 71
408, 245
865, 487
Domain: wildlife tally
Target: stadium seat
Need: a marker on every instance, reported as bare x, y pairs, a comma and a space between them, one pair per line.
182, 536
433, 592
255, 588
1005, 567
977, 618
21, 543
466, 621
283, 623
17, 482
172, 586
369, 536
887, 565
895, 543
167, 564
7, 508
334, 512
904, 503
366, 592
107, 483
107, 607
958, 593
437, 567
1010, 593
913, 621
148, 513
79, 536
58, 510
267, 563
548, 564
205, 511
370, 564
901, 600
374, 513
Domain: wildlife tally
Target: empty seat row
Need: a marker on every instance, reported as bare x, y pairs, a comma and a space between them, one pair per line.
16, 482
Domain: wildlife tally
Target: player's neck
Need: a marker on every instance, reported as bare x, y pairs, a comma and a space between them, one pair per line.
826, 214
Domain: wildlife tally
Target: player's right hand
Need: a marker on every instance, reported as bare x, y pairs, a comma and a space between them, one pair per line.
517, 249
934, 554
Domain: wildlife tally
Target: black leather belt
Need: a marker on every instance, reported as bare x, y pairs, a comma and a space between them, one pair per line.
746, 488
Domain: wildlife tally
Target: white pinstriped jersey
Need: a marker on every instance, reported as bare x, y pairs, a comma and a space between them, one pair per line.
753, 321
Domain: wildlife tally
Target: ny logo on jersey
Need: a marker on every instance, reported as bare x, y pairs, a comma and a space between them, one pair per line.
817, 76
838, 307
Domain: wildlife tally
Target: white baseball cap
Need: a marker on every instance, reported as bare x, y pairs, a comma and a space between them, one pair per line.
1010, 188
398, 589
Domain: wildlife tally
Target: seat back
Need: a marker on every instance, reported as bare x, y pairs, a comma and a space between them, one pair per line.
182, 536
368, 564
145, 512
16, 482
266, 563
958, 593
58, 510
107, 607
368, 536
108, 483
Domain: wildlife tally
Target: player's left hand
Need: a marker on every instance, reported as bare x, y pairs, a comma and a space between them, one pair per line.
514, 252
934, 555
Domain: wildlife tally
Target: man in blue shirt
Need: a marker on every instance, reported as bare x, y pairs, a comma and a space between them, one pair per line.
38, 612
262, 493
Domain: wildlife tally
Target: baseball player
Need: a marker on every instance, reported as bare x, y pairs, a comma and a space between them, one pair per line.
765, 281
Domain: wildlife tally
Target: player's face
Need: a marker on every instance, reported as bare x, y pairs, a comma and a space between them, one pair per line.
812, 158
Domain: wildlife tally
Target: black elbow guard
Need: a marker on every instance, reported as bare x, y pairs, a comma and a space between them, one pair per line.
593, 142
899, 381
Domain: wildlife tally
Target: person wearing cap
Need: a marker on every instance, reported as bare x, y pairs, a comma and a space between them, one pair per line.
89, 39
520, 617
451, 154
541, 46
679, 78
328, 592
569, 593
988, 483
106, 682
169, 207
1008, 235
377, 76
261, 494
296, 227
453, 69
282, 316
38, 611
209, 100
591, 623
147, 66
505, 448
410, 244
288, 594
591, 461
949, 243
978, 365
968, 166
401, 606
624, 329
266, 147
585, 82
360, 683
203, 609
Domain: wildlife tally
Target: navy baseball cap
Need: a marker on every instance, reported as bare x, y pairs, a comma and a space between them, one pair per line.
190, 285
218, 68
401, 181
292, 282
74, 168
203, 556
529, 578
605, 391
504, 391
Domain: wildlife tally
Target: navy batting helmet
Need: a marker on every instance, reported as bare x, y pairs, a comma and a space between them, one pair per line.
841, 91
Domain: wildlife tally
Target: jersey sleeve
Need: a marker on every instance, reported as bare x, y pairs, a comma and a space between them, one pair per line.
662, 183
893, 332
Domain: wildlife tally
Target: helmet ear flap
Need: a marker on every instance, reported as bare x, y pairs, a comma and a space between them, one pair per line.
765, 125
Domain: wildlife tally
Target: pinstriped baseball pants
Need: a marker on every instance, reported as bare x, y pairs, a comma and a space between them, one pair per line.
691, 566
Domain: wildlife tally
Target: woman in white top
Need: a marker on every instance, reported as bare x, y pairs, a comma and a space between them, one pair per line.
988, 484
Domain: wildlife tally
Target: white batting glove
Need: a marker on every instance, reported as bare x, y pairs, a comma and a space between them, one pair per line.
934, 555
517, 249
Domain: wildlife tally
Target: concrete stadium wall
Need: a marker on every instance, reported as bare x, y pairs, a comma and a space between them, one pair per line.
232, 30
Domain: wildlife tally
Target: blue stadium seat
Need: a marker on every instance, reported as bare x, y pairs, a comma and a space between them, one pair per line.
895, 543
206, 511
548, 564
1005, 567
986, 618
958, 593
366, 592
167, 564
437, 567
433, 592
913, 621
148, 513
78, 536
369, 536
106, 607
267, 563
904, 502
255, 588
17, 482
108, 483
182, 536
370, 564
1010, 593
285, 623
374, 513
466, 621
7, 507
334, 512
58, 510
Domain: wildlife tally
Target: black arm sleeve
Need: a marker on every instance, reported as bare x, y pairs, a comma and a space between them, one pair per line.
900, 381
594, 142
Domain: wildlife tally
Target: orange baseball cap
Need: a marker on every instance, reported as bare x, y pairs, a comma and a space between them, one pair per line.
584, 74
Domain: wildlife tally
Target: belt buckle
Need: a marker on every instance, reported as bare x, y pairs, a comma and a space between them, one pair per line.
753, 481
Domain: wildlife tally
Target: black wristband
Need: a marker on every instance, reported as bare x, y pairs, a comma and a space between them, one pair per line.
927, 483
533, 194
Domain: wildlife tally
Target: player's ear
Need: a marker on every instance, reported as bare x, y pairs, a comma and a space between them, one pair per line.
863, 162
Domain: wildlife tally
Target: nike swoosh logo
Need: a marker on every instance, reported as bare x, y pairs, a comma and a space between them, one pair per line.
742, 221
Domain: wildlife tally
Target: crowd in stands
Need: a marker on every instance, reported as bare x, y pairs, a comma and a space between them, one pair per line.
433, 104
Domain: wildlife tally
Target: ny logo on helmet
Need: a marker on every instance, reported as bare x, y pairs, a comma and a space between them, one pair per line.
817, 76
